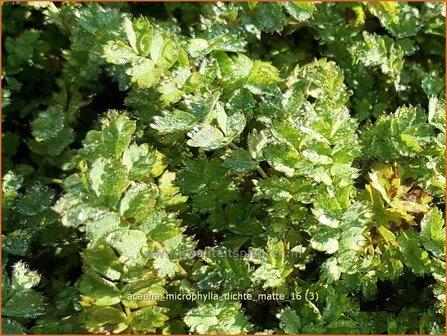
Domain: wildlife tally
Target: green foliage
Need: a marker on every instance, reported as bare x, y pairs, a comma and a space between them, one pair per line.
20, 302
223, 168
217, 318
116, 213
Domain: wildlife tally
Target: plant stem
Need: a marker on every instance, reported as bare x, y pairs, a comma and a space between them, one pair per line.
57, 181
300, 262
261, 172
305, 253
232, 145
168, 11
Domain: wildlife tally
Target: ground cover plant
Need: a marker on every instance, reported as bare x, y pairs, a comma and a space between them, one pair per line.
223, 168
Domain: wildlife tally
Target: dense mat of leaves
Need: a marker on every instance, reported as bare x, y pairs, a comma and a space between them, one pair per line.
152, 150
